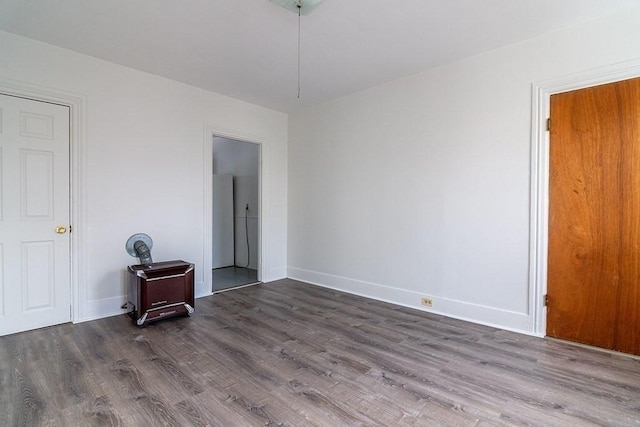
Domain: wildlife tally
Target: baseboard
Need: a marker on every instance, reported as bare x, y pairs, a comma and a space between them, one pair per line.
484, 315
275, 273
201, 290
101, 308
107, 307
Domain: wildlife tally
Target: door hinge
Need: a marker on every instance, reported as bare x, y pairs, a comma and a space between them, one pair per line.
545, 300
548, 124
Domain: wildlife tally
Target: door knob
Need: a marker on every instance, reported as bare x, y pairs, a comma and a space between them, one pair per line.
61, 229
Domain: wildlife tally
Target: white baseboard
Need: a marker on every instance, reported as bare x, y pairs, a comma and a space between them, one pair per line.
275, 273
484, 315
201, 290
107, 307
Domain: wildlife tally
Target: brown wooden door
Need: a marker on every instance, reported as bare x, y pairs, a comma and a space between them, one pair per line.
594, 217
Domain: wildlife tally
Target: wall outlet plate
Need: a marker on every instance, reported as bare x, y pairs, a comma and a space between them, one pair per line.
427, 302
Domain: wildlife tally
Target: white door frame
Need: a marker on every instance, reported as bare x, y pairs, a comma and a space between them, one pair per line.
77, 127
209, 132
539, 196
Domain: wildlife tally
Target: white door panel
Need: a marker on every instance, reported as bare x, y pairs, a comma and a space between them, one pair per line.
35, 286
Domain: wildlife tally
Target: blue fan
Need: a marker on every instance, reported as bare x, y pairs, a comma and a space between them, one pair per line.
139, 245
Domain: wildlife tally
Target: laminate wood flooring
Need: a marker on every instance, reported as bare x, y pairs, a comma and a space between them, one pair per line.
288, 353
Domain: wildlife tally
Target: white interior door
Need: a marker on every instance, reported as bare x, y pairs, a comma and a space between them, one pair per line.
35, 285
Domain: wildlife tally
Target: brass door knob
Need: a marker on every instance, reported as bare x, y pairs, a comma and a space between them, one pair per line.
61, 229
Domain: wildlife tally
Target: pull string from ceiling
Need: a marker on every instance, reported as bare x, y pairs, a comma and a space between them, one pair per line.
301, 9
299, 27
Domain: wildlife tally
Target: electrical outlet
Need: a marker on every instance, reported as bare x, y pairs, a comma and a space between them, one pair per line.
427, 302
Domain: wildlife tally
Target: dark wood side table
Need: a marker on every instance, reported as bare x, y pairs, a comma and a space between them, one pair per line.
160, 290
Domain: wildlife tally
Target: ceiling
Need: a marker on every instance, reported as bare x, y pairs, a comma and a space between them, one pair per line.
247, 49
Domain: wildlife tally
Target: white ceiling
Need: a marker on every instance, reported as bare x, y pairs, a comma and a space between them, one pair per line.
246, 49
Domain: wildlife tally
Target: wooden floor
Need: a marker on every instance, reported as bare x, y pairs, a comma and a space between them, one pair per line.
287, 353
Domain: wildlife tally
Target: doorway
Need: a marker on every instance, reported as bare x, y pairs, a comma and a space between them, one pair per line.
593, 282
235, 213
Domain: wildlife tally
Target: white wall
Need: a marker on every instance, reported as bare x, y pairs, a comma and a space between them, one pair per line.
144, 168
420, 187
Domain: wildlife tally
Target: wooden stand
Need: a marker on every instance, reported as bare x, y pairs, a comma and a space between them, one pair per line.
160, 290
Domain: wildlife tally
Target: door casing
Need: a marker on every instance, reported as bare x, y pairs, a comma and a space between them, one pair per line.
209, 132
77, 122
539, 192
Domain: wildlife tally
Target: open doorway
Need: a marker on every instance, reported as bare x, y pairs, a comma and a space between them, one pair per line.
235, 213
